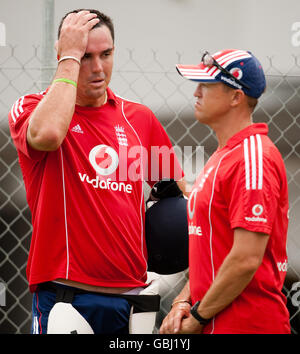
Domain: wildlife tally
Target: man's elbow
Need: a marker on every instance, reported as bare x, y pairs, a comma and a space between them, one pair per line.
49, 140
250, 264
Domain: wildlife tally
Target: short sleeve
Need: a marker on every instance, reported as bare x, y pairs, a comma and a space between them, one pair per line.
252, 195
18, 118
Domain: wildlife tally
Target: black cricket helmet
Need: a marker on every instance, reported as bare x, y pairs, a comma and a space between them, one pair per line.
166, 229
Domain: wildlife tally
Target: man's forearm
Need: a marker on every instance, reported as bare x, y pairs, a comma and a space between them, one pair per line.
49, 122
235, 273
180, 310
184, 295
230, 281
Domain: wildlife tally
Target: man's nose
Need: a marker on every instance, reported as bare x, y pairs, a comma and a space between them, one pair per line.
97, 65
198, 91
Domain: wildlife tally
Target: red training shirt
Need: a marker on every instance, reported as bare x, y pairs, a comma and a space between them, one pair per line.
242, 185
87, 197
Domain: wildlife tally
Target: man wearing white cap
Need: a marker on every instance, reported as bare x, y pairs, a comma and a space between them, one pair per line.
238, 261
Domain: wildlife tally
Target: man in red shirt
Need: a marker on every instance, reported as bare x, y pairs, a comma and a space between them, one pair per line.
237, 210
85, 153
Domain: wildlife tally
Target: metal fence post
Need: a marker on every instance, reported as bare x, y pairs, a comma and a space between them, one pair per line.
47, 43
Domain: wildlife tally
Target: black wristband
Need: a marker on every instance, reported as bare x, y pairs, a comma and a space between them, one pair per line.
195, 314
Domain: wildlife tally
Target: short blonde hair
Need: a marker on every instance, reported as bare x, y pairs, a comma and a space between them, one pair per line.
252, 102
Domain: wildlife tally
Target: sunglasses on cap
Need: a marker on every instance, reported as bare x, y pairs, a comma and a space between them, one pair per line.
209, 61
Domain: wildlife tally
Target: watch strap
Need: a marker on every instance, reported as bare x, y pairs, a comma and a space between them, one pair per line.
195, 314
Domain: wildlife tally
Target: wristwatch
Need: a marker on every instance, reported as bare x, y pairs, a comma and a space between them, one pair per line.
194, 313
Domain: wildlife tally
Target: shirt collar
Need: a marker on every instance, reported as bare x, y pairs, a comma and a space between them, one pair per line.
253, 129
111, 96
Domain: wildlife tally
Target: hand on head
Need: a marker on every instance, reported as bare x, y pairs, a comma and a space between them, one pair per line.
74, 32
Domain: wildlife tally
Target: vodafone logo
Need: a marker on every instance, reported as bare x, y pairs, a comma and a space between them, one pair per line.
257, 210
104, 159
237, 73
192, 203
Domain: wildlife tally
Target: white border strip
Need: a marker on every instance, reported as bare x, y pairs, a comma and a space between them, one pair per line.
260, 162
142, 182
210, 220
65, 214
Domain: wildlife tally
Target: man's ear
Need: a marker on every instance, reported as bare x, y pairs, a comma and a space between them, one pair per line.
237, 97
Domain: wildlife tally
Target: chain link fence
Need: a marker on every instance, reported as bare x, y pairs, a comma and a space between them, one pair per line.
171, 98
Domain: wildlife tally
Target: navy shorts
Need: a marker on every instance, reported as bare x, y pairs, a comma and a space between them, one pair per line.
105, 314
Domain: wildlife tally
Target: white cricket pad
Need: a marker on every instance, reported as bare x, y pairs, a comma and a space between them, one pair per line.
144, 322
65, 319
